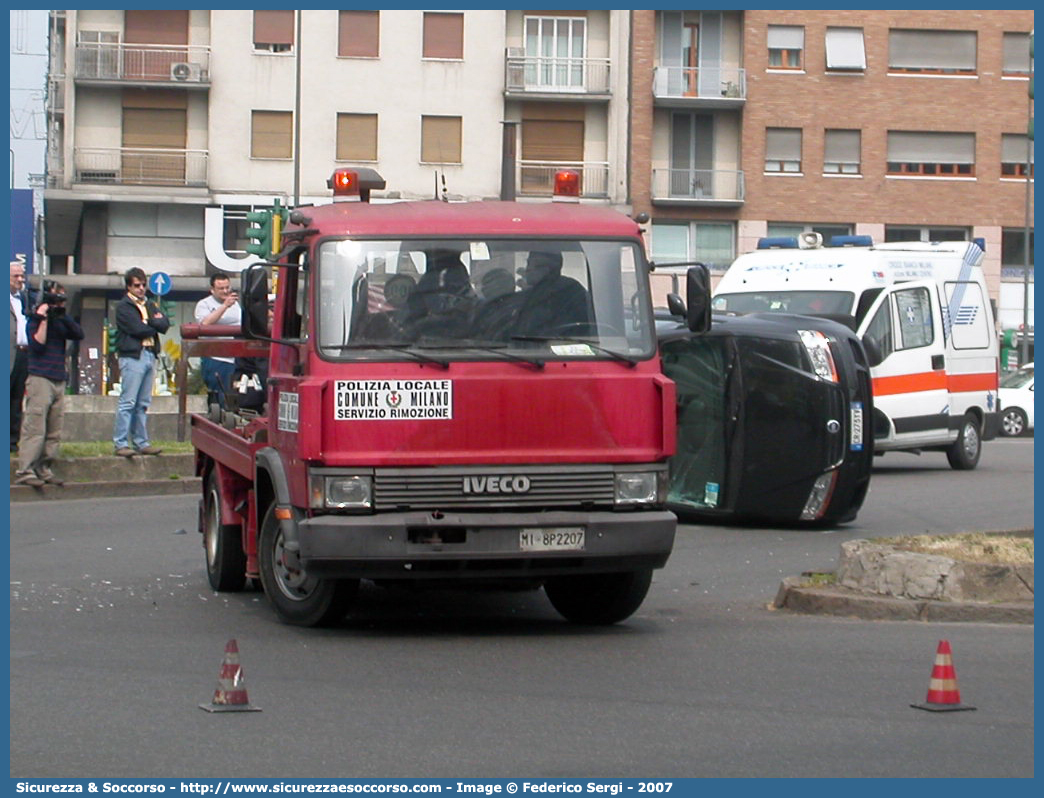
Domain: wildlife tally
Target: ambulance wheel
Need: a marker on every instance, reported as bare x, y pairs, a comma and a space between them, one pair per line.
298, 598
598, 599
223, 544
964, 452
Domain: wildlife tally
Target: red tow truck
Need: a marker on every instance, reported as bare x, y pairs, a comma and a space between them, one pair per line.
456, 392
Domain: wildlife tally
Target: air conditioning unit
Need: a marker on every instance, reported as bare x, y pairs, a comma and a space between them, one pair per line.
185, 72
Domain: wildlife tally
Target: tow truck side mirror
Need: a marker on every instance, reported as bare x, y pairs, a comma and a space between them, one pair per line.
254, 296
697, 298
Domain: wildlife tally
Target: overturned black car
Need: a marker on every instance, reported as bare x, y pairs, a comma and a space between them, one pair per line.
773, 414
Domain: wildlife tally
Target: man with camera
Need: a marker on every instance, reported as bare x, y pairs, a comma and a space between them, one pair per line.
221, 306
49, 330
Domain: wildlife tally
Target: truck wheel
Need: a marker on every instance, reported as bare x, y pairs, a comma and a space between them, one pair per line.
598, 599
297, 598
226, 562
964, 452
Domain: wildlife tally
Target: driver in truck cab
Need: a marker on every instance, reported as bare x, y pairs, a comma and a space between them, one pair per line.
551, 301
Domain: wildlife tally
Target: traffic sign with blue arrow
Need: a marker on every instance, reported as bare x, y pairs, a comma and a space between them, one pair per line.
160, 283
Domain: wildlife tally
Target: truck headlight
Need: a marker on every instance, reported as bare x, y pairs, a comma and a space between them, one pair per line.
818, 347
633, 488
819, 497
341, 492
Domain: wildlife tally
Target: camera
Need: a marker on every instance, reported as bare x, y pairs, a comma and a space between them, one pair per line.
55, 301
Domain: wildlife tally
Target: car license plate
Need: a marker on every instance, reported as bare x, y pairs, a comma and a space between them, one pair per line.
551, 539
856, 425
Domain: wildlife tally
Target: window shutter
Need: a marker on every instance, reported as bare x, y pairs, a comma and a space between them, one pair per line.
931, 147
786, 37
931, 49
357, 137
271, 134
155, 27
440, 139
841, 146
359, 33
443, 35
783, 144
274, 27
1016, 52
552, 140
1013, 148
844, 48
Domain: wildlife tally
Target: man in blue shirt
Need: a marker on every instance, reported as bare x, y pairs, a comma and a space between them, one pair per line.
49, 331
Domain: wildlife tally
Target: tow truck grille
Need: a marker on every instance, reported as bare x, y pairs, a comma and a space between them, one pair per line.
441, 488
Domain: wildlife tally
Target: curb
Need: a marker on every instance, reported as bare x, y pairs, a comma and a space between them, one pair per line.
794, 595
98, 490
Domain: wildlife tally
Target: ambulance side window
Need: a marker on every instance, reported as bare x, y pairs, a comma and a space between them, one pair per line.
879, 332
914, 311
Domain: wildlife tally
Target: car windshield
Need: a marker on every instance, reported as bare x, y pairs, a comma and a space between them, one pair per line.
1017, 379
809, 303
530, 299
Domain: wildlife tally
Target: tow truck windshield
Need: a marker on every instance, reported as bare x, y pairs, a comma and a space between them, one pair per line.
527, 300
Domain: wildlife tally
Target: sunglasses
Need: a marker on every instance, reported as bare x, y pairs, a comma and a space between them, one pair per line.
137, 285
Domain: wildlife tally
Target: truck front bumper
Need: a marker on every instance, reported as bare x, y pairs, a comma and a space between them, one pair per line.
480, 545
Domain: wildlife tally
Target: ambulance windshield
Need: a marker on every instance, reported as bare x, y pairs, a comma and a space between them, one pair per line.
808, 303
485, 298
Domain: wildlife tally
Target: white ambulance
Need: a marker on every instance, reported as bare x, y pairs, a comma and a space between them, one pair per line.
923, 313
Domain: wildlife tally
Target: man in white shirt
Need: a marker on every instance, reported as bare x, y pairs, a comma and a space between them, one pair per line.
221, 306
19, 349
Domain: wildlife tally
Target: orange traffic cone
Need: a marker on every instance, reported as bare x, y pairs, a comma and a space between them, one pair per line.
943, 695
231, 694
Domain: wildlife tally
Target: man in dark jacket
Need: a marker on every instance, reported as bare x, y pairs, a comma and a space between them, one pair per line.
139, 323
49, 330
552, 303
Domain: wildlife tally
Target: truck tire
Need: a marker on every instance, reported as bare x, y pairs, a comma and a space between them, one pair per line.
297, 598
223, 543
598, 599
964, 453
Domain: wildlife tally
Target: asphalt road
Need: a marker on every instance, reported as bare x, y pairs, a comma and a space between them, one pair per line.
116, 638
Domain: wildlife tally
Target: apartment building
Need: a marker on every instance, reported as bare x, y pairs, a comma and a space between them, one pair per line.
901, 125
167, 126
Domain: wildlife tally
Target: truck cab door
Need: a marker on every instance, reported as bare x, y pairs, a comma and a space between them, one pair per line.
903, 334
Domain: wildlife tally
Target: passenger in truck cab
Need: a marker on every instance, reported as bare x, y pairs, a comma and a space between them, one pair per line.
496, 311
441, 303
551, 302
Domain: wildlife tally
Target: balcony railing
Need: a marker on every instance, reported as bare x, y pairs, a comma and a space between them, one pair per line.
137, 63
141, 166
546, 75
537, 178
700, 83
698, 185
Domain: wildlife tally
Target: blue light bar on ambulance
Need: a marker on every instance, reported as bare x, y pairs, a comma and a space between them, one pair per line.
567, 186
851, 241
778, 242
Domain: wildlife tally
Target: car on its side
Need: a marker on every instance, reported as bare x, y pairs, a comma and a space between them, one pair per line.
1016, 401
774, 418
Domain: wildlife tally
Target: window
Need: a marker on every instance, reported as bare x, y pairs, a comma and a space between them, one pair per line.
1014, 154
712, 243
844, 50
555, 51
841, 152
356, 137
271, 134
440, 139
785, 46
443, 35
359, 34
828, 231
97, 54
932, 52
1013, 253
783, 149
931, 154
914, 307
1016, 54
274, 31
925, 234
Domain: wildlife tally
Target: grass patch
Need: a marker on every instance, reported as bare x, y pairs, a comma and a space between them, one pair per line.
979, 547
104, 448
819, 578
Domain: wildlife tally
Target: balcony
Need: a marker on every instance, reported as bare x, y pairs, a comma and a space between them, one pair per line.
700, 87
537, 178
722, 187
554, 78
128, 166
142, 64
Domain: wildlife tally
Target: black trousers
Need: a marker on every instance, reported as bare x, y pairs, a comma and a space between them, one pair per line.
19, 372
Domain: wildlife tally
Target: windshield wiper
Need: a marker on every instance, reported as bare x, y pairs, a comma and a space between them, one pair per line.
407, 349
498, 349
618, 356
